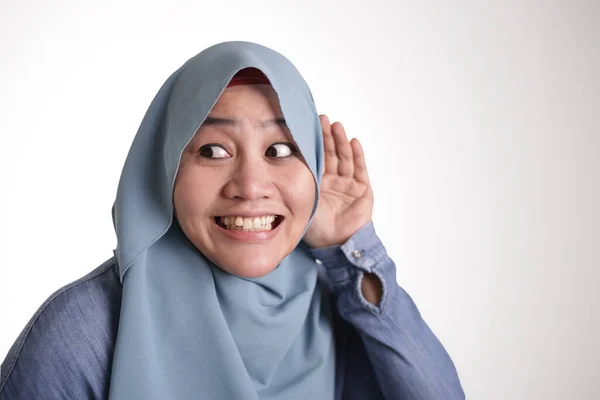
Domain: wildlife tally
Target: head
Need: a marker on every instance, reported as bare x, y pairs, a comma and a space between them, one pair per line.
242, 167
166, 175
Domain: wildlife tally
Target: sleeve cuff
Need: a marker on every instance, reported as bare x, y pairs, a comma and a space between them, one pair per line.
364, 250
346, 264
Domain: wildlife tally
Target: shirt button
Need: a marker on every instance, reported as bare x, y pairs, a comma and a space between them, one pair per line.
357, 254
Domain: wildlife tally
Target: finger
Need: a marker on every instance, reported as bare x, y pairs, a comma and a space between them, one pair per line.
343, 150
360, 165
331, 159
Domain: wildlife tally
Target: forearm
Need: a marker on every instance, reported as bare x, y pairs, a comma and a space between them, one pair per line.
408, 359
371, 288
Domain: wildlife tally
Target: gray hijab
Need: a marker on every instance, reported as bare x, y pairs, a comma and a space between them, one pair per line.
189, 330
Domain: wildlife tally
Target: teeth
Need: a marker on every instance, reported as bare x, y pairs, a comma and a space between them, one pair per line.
248, 224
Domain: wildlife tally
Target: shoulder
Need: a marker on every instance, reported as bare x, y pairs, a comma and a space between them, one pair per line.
69, 340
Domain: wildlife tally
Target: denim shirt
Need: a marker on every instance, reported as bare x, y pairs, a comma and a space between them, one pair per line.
383, 352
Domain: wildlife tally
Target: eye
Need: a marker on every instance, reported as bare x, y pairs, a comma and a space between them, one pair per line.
281, 150
213, 151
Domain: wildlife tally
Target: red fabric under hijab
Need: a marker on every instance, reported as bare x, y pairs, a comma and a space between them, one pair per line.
249, 76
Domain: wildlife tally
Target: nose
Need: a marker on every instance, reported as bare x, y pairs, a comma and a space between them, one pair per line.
250, 180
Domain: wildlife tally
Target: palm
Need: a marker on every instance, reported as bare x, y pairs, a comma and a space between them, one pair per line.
346, 199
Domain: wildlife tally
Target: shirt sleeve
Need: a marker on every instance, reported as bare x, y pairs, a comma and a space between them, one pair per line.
65, 351
408, 360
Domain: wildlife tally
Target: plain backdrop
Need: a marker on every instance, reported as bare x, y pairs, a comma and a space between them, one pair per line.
480, 122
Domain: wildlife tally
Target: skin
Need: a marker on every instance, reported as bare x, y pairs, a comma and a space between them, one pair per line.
346, 202
243, 173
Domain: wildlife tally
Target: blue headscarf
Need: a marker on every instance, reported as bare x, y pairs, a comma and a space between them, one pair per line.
189, 330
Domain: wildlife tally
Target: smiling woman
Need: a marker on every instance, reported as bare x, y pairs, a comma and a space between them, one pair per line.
242, 185
233, 187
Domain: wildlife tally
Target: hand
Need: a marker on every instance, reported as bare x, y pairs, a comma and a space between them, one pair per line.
346, 202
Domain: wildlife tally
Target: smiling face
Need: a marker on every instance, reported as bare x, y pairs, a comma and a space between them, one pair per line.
243, 194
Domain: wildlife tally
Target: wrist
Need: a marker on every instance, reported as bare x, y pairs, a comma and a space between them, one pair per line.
320, 240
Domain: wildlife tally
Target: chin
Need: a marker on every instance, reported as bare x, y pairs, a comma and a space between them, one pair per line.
247, 269
250, 271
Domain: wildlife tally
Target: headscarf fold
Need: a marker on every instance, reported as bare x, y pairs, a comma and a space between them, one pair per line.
189, 330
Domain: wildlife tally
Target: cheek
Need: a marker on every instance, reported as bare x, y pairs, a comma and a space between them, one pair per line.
191, 193
300, 191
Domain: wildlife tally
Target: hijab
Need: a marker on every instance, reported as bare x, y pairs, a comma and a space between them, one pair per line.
188, 329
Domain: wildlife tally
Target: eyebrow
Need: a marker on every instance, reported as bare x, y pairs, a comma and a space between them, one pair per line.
219, 121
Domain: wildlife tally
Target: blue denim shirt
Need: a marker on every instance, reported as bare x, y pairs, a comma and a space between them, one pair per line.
383, 352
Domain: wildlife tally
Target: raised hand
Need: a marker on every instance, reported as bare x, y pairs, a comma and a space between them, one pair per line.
346, 201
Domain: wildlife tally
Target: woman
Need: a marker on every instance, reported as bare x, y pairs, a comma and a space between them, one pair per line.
233, 187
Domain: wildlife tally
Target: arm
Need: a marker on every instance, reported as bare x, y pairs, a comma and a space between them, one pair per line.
408, 360
65, 351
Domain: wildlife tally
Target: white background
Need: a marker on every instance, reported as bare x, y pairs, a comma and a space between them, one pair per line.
480, 122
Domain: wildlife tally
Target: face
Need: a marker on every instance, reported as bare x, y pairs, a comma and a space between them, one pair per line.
243, 194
